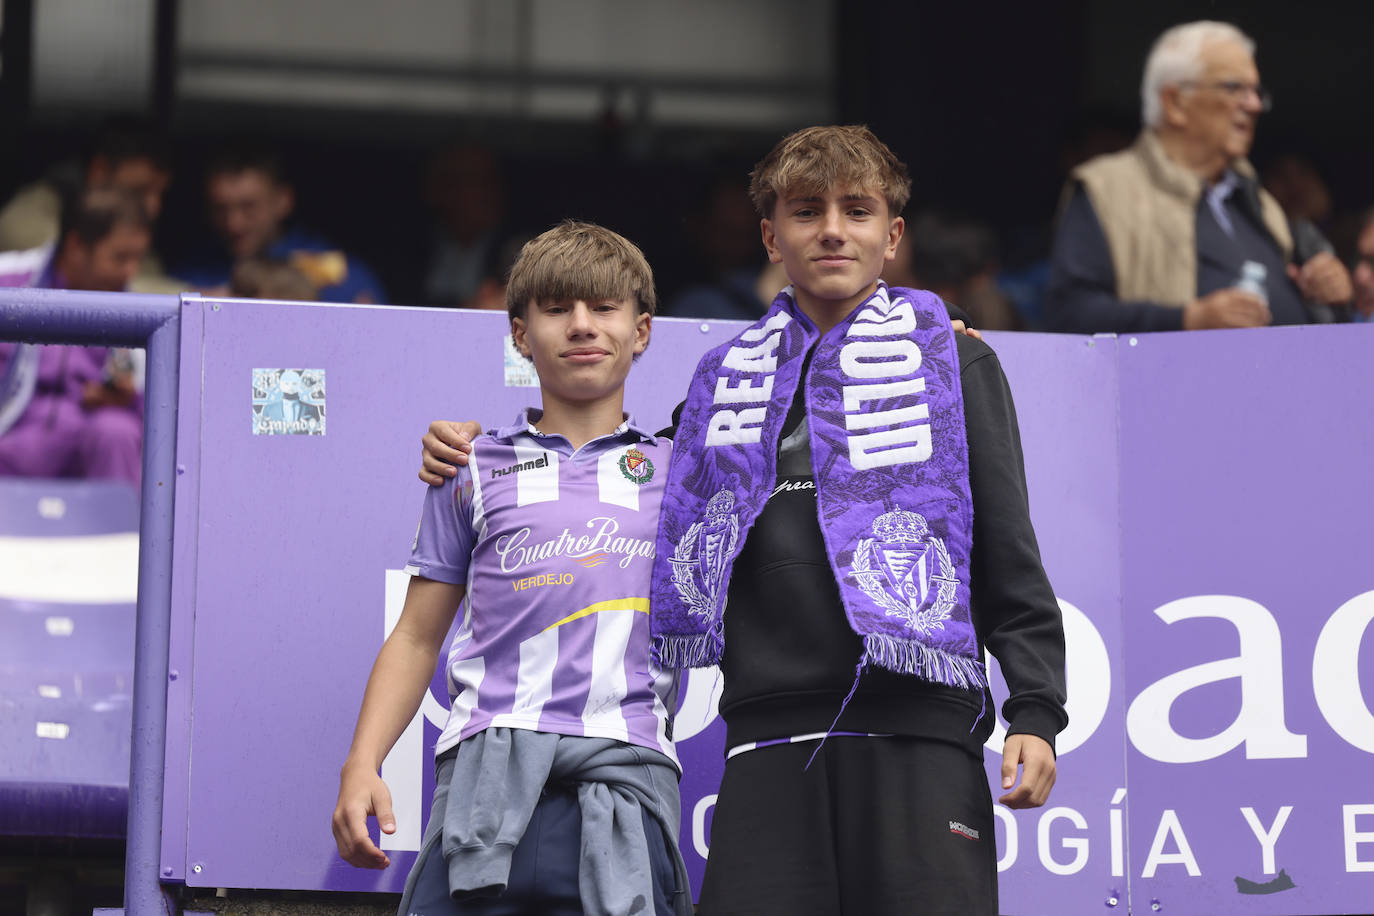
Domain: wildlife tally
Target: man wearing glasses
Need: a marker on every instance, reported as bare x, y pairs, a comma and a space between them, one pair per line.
1175, 233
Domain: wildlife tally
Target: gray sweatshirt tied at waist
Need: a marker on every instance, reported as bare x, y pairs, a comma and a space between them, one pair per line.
496, 782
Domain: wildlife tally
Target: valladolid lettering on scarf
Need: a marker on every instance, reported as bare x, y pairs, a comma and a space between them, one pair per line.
890, 457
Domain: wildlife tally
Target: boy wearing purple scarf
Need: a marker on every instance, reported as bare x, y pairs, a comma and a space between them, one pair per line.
848, 482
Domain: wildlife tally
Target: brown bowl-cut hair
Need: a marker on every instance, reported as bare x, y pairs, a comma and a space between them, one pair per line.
577, 260
815, 159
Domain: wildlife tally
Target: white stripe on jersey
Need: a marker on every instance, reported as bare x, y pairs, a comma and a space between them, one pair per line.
665, 692
602, 715
612, 484
536, 485
538, 656
479, 511
469, 672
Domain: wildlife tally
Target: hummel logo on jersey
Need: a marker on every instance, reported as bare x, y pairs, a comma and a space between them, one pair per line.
541, 462
963, 830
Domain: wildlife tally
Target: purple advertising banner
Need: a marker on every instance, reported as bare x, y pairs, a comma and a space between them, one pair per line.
1246, 524
1153, 465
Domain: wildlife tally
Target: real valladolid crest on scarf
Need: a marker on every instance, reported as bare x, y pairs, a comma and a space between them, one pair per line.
888, 449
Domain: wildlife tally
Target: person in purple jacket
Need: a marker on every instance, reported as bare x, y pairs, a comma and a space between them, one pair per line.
556, 787
65, 410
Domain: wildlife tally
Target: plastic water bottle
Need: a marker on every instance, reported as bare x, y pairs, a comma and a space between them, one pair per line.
1252, 277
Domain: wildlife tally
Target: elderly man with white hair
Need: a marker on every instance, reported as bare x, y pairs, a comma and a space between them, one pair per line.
1175, 232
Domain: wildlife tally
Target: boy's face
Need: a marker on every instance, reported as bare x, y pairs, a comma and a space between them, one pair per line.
582, 349
833, 246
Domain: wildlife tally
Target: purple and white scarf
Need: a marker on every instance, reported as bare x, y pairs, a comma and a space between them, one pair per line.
886, 418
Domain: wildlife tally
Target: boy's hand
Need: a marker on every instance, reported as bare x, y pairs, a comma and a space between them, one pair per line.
961, 328
447, 443
361, 792
1036, 759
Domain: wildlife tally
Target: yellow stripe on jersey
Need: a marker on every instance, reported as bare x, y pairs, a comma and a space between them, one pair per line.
640, 605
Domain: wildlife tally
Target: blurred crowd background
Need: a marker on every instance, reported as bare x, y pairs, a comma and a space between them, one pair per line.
400, 152
423, 140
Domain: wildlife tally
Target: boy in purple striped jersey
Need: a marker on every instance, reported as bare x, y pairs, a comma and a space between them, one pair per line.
557, 752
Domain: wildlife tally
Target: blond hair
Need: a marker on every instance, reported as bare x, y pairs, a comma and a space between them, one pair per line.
816, 159
577, 260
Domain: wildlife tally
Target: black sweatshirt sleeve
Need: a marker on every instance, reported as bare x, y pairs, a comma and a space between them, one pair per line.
668, 432
1014, 608
1081, 297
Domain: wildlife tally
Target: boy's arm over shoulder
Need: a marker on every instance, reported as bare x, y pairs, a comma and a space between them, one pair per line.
445, 447
1014, 607
445, 536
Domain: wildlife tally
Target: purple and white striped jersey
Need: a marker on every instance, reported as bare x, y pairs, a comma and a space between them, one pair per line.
555, 548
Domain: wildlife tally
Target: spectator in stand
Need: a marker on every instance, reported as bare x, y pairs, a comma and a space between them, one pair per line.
69, 411
724, 233
1364, 269
954, 257
491, 292
1156, 237
250, 206
127, 154
1024, 273
465, 190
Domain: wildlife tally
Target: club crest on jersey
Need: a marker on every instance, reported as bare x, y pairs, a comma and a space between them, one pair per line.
700, 556
636, 466
906, 570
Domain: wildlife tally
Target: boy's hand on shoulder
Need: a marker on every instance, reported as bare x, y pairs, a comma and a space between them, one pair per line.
1035, 758
361, 793
446, 444
961, 328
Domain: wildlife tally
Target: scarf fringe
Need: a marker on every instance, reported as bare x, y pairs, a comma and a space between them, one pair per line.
694, 650
907, 656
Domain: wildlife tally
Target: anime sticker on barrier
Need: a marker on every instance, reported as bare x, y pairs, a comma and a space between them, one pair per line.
288, 402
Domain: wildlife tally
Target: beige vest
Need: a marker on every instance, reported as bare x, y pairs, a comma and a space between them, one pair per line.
1147, 206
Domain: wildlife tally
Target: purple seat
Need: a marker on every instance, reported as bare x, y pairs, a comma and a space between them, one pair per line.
66, 673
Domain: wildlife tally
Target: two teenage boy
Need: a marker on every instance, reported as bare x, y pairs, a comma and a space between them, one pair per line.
836, 450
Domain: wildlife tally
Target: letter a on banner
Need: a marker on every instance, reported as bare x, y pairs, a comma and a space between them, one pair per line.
1258, 725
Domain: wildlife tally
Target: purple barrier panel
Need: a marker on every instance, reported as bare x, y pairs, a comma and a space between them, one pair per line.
296, 539
1246, 497
1067, 857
